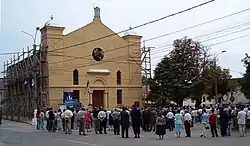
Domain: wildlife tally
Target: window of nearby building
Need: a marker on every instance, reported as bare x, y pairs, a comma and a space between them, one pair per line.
119, 97
75, 77
76, 94
203, 99
118, 77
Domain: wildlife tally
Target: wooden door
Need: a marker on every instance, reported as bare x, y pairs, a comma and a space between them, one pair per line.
97, 98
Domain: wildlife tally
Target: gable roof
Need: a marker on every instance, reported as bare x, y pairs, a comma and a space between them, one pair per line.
94, 22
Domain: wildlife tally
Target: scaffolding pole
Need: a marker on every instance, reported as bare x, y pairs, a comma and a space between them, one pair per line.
146, 71
23, 79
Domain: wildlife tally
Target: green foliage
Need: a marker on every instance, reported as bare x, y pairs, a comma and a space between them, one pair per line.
179, 71
154, 90
188, 71
219, 75
245, 80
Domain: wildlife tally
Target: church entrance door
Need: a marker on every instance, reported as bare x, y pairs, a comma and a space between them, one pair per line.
98, 98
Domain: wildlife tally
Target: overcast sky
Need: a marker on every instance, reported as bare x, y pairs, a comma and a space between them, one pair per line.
26, 15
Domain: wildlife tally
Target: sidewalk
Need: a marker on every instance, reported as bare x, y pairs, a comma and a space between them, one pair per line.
15, 123
16, 119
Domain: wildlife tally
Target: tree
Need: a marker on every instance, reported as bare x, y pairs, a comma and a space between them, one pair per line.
220, 76
177, 73
155, 92
245, 80
188, 71
198, 89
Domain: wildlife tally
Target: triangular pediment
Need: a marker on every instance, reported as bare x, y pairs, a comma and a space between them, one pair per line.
92, 31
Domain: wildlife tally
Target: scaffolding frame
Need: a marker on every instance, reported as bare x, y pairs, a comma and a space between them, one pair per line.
146, 71
146, 62
26, 83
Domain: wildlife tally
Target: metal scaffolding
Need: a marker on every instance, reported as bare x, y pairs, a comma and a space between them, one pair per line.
146, 72
26, 82
146, 62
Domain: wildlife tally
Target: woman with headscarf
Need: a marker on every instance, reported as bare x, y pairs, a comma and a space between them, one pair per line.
59, 120
160, 125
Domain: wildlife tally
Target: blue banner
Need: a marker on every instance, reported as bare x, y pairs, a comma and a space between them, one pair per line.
68, 96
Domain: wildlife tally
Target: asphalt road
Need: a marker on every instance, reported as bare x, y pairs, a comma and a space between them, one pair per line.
19, 134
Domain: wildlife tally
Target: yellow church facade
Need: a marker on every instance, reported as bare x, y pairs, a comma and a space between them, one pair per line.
97, 65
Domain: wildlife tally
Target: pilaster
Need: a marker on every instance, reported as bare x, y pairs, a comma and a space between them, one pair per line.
106, 104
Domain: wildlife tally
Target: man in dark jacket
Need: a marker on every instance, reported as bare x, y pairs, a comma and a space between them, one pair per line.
124, 122
146, 120
51, 120
153, 119
136, 121
223, 122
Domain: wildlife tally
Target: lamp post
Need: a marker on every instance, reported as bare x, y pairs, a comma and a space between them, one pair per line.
216, 81
32, 36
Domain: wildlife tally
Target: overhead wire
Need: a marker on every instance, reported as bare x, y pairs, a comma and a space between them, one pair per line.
163, 35
118, 57
181, 29
157, 37
202, 41
222, 42
200, 24
210, 34
153, 38
138, 26
91, 64
152, 53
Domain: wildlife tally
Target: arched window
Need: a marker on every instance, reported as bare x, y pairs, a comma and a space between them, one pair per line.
75, 77
118, 77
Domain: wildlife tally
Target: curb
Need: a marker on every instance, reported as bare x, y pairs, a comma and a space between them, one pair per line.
18, 120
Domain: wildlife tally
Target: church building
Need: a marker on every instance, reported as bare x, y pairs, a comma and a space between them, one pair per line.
92, 64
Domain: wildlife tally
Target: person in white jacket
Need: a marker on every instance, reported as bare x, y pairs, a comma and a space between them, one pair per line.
67, 115
242, 121
102, 116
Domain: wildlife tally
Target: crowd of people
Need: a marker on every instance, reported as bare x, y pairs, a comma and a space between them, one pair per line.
158, 120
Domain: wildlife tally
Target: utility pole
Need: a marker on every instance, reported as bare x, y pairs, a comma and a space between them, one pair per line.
146, 68
216, 79
215, 83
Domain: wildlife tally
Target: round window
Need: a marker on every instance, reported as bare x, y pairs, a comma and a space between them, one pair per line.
98, 54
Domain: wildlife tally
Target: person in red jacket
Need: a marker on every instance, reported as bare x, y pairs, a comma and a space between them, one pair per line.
38, 125
213, 122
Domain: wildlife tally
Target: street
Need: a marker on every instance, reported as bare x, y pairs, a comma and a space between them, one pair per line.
20, 134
